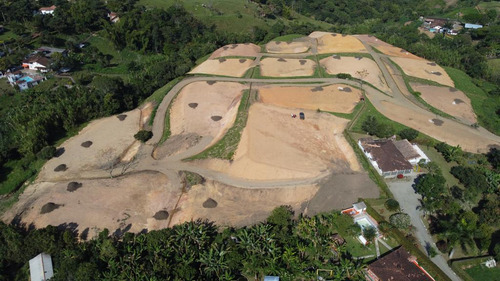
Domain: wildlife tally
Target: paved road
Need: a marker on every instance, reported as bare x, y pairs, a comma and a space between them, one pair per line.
409, 202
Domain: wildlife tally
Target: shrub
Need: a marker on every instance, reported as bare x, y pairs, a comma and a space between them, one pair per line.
400, 220
370, 233
431, 252
409, 134
372, 126
442, 245
281, 216
46, 152
344, 76
392, 205
143, 135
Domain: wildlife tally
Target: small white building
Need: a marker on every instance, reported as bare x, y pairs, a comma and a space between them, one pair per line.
37, 62
47, 10
41, 267
473, 26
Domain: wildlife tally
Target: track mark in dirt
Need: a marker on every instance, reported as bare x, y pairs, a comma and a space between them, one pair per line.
216, 118
72, 186
121, 117
193, 105
49, 207
86, 144
210, 203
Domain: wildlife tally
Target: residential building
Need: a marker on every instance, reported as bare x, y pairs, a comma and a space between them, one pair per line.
361, 218
113, 17
47, 10
37, 62
398, 265
24, 81
473, 26
41, 267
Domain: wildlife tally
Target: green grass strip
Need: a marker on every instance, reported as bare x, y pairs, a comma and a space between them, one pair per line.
158, 96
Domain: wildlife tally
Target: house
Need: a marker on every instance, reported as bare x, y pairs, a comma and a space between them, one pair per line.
271, 278
398, 265
113, 17
47, 10
473, 26
390, 157
41, 267
361, 218
24, 81
49, 51
37, 62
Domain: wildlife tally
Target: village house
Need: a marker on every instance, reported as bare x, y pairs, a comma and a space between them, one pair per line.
362, 218
398, 265
391, 158
37, 62
41, 267
473, 26
47, 10
113, 17
23, 81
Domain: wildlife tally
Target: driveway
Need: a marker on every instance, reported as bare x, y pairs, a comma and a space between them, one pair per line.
409, 202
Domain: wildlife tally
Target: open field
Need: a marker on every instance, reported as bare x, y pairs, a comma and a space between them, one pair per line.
275, 146
201, 109
360, 67
338, 43
424, 69
326, 98
290, 47
127, 202
243, 50
224, 67
386, 48
449, 100
279, 67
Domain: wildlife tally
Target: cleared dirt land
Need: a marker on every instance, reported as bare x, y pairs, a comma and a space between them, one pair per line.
98, 144
327, 98
294, 47
280, 67
449, 100
358, 67
225, 67
386, 48
243, 50
275, 146
424, 69
127, 202
339, 43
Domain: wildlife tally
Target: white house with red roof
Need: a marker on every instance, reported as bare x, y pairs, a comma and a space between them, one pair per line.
47, 10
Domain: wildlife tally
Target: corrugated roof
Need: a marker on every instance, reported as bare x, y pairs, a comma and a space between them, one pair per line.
398, 266
406, 148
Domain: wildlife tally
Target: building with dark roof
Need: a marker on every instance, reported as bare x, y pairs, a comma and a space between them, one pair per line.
398, 265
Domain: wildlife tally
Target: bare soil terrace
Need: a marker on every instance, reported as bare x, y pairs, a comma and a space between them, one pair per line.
243, 50
424, 69
280, 67
338, 43
224, 67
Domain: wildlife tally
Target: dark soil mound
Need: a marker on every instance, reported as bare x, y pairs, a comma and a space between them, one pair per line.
49, 207
337, 57
278, 42
437, 73
234, 46
60, 151
358, 57
193, 105
453, 90
431, 63
458, 101
402, 51
243, 60
161, 215
344, 35
121, 117
216, 117
347, 90
222, 60
334, 34
302, 62
211, 82
317, 89
210, 203
86, 144
61, 168
437, 122
72, 186
225, 47
282, 59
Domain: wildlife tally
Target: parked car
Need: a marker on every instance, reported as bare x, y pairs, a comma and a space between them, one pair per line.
302, 116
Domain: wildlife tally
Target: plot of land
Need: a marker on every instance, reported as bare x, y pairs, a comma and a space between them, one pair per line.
279, 67
275, 146
424, 69
243, 50
334, 98
127, 202
449, 100
386, 48
109, 139
360, 67
293, 47
339, 43
222, 66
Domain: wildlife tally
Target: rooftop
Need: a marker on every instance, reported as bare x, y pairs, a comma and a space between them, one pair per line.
406, 148
51, 8
386, 154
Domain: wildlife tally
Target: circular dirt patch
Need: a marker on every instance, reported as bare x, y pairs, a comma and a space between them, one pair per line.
61, 168
161, 215
431, 63
216, 118
458, 101
211, 82
72, 186
347, 89
49, 207
436, 73
453, 90
121, 117
221, 60
317, 89
86, 144
282, 60
193, 105
210, 203
302, 62
242, 60
437, 122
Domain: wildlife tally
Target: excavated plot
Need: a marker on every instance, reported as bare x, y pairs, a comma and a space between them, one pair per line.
338, 43
243, 50
225, 67
294, 47
356, 68
424, 69
279, 67
327, 98
386, 48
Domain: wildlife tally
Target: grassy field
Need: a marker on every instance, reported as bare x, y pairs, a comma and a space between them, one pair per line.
494, 65
490, 5
481, 272
484, 106
288, 38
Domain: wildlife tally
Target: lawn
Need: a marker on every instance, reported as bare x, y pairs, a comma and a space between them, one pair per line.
484, 105
481, 272
490, 5
288, 38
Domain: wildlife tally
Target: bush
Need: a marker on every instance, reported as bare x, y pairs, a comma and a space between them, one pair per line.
432, 252
344, 76
409, 134
392, 205
281, 216
370, 233
372, 126
143, 135
400, 220
46, 152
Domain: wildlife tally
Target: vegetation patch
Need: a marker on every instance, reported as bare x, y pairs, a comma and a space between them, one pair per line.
288, 37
